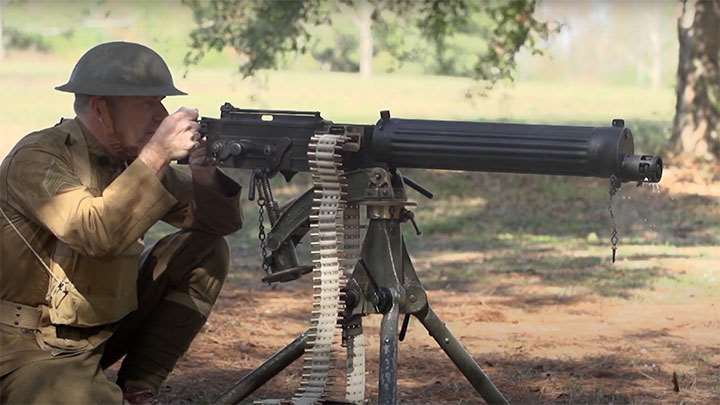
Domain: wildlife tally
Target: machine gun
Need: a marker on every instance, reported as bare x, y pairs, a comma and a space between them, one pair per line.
359, 165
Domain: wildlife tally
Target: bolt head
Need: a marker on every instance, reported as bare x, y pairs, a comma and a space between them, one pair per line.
217, 147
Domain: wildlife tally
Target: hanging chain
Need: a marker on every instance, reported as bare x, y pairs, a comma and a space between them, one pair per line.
615, 184
262, 236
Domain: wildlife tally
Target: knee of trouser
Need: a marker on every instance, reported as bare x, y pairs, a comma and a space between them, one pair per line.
177, 253
215, 264
210, 275
205, 280
70, 380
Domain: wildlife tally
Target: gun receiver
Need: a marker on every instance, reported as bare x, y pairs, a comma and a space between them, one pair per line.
277, 141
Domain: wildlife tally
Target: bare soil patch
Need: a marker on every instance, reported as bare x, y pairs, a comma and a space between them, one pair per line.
539, 344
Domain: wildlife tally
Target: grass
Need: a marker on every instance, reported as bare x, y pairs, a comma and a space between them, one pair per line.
522, 213
27, 82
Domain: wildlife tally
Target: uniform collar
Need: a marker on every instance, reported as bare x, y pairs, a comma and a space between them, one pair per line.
78, 133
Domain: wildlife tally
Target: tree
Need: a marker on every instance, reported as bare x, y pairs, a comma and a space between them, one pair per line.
2, 41
363, 16
14, 38
696, 128
263, 32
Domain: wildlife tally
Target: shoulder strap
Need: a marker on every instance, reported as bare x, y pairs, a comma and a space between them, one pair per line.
35, 253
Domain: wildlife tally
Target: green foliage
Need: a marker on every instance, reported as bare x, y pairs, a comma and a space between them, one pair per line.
16, 39
335, 47
452, 37
261, 31
514, 27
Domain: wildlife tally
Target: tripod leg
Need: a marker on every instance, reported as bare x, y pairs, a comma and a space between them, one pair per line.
269, 369
387, 394
462, 359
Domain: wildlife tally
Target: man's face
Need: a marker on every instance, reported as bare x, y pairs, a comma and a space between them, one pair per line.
135, 119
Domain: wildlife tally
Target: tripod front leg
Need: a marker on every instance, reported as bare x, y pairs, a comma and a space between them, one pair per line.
462, 359
269, 369
389, 352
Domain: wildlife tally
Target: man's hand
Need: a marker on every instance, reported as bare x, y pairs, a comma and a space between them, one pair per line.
198, 156
203, 169
176, 136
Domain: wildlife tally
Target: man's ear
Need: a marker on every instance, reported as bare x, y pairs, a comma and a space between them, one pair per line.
100, 108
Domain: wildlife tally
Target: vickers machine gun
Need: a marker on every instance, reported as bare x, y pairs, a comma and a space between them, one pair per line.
361, 269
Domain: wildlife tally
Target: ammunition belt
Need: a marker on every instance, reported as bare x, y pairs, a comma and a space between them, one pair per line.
331, 261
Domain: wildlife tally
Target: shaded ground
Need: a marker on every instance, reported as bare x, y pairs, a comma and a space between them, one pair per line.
540, 307
540, 343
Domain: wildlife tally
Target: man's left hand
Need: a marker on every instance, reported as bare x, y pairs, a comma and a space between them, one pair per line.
198, 156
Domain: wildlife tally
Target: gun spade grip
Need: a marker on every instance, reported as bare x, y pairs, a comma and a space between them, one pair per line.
501, 147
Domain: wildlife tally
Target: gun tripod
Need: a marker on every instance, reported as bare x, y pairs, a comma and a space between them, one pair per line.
384, 282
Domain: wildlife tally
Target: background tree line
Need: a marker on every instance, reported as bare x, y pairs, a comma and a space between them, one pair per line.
465, 38
498, 29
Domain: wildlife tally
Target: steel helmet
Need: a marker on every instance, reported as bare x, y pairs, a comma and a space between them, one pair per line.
121, 69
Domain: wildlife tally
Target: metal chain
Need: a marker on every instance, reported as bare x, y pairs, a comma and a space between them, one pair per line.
614, 239
262, 236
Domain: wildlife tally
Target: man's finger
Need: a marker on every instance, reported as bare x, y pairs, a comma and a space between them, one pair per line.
190, 113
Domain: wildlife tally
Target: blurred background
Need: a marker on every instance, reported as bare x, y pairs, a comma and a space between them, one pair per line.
609, 59
533, 248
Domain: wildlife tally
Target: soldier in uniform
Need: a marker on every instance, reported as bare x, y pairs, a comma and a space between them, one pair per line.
78, 291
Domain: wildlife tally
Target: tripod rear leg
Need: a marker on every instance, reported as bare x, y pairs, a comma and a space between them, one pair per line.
462, 359
387, 394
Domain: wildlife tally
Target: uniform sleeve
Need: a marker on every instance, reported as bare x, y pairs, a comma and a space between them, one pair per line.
48, 190
208, 201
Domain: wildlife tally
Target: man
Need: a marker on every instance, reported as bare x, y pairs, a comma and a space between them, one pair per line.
76, 199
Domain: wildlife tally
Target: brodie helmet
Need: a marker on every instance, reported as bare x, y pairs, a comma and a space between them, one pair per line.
121, 69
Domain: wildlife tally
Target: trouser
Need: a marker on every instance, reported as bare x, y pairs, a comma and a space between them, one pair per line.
179, 280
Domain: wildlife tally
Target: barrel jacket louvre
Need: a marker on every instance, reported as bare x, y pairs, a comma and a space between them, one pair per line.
85, 214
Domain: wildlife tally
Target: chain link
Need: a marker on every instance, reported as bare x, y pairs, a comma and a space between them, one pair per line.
262, 236
614, 239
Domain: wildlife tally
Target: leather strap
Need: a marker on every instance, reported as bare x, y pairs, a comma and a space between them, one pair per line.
21, 316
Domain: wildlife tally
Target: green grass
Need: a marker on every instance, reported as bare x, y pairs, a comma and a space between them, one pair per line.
28, 80
522, 221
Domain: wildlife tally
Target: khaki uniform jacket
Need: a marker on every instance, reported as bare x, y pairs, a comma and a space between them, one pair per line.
85, 215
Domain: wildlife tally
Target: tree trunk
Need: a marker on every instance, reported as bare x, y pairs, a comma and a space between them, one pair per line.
2, 40
696, 131
656, 62
363, 20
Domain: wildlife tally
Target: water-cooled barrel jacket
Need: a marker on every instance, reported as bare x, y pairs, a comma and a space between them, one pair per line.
85, 213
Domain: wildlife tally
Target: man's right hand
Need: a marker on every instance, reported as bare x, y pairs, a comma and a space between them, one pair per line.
176, 136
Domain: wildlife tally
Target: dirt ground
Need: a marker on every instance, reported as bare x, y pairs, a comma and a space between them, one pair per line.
550, 323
